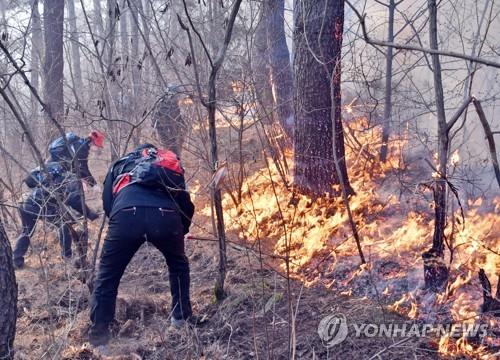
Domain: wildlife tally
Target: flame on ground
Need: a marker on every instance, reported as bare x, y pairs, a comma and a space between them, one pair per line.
395, 228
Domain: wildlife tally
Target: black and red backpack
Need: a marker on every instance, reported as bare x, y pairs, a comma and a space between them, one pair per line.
157, 168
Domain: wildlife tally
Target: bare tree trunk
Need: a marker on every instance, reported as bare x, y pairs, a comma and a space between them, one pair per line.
135, 67
489, 138
214, 25
435, 270
279, 60
75, 49
53, 14
318, 41
491, 303
98, 18
386, 125
471, 66
261, 72
112, 75
211, 105
8, 298
148, 61
3, 22
36, 54
134, 26
124, 35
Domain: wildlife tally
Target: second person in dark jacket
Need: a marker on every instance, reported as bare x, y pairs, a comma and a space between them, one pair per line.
47, 201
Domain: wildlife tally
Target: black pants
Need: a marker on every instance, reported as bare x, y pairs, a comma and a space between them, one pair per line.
128, 230
30, 212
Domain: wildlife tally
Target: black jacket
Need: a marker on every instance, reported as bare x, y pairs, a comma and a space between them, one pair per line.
144, 196
81, 150
66, 188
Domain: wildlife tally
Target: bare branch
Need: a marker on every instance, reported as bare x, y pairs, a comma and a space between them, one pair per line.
459, 112
452, 54
489, 137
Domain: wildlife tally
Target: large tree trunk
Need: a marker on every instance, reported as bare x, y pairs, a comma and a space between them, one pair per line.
149, 66
98, 18
134, 54
112, 77
261, 72
386, 125
36, 55
53, 16
279, 61
8, 298
75, 51
435, 270
135, 69
317, 76
124, 35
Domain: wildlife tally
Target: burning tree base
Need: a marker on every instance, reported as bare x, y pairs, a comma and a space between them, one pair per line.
435, 271
491, 304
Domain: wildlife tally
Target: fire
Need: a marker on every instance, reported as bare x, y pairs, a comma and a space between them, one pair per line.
238, 86
319, 240
186, 101
460, 348
455, 158
349, 108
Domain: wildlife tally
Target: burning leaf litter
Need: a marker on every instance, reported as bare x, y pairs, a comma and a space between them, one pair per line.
395, 230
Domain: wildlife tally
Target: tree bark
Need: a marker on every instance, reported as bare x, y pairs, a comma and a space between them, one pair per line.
281, 77
489, 138
124, 35
8, 298
112, 77
435, 270
261, 71
98, 18
211, 106
75, 50
53, 13
491, 303
36, 54
386, 125
134, 29
318, 27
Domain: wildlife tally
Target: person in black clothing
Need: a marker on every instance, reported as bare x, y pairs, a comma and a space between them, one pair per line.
73, 153
42, 203
140, 212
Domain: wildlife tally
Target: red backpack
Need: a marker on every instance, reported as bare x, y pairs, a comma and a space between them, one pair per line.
157, 168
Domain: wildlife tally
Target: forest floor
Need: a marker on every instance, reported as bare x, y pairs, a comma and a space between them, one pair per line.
262, 307
251, 323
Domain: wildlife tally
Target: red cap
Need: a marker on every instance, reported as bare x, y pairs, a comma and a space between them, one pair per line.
97, 138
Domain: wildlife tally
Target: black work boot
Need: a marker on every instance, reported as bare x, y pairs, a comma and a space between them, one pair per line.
99, 334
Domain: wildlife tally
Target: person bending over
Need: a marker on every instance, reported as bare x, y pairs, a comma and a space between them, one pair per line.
145, 198
73, 153
50, 192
